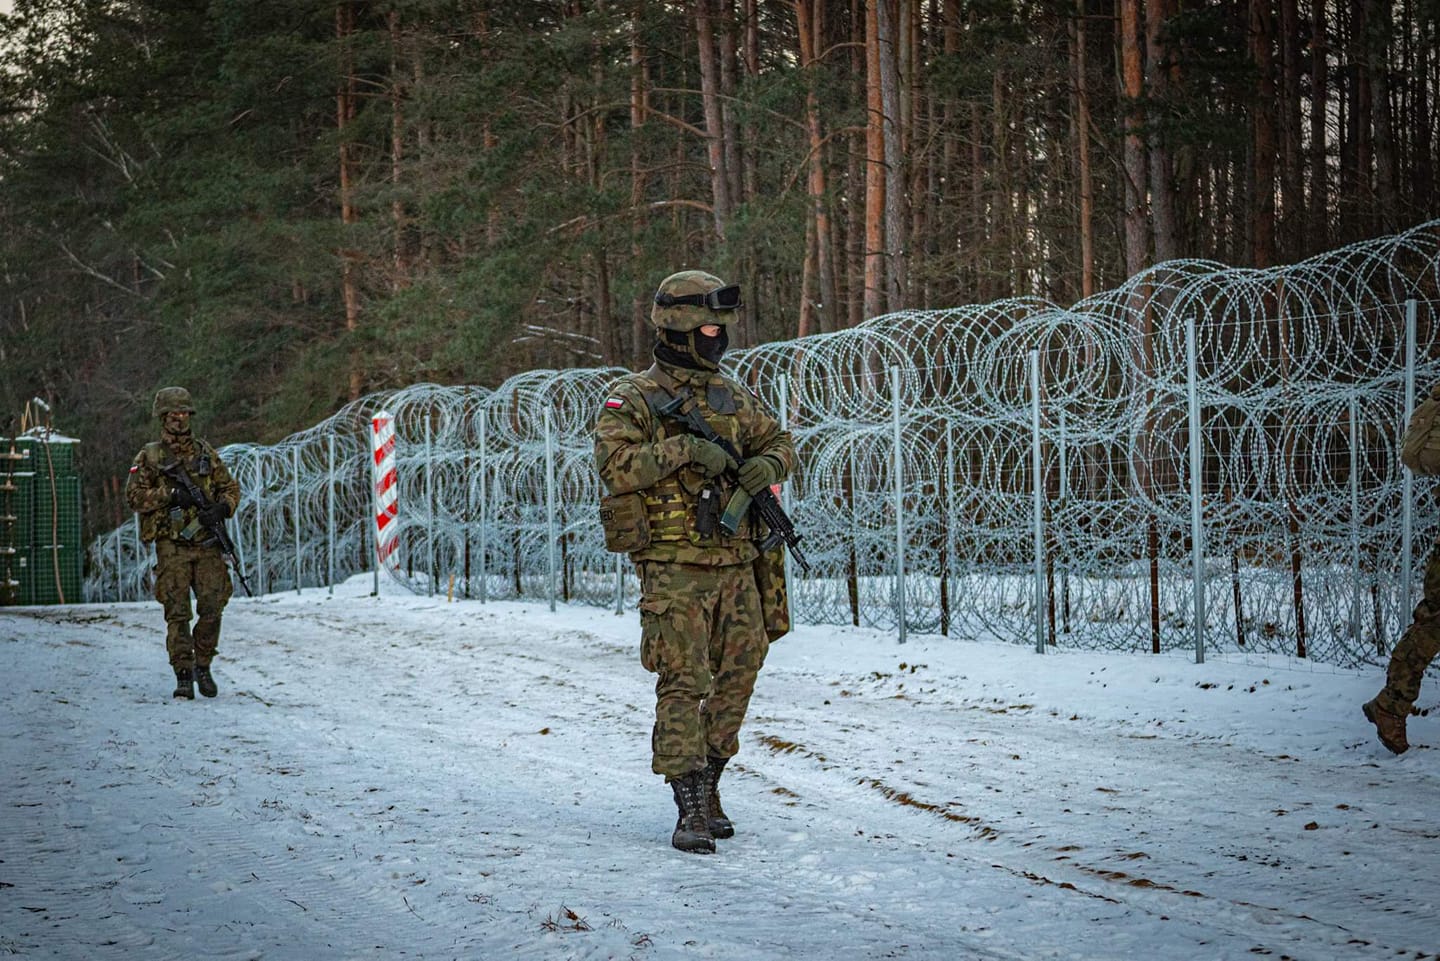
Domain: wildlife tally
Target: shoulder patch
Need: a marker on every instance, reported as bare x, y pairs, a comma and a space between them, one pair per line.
612, 402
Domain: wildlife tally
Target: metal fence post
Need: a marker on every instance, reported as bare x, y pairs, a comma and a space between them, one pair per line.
1197, 517
782, 387
330, 513
899, 483
950, 477
1062, 456
259, 526
483, 507
429, 505
1407, 482
1354, 520
1038, 501
550, 533
295, 513
142, 553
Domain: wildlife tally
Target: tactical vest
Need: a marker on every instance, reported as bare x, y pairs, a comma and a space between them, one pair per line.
673, 505
182, 524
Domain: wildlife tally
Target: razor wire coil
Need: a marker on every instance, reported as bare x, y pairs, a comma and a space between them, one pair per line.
1301, 390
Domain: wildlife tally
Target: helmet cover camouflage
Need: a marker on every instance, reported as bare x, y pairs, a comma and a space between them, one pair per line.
687, 317
168, 399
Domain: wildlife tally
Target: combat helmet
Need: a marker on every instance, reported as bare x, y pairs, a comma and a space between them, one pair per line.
692, 298
170, 399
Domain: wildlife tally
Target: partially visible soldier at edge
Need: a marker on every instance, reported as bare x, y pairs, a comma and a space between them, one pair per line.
703, 629
187, 557
1419, 645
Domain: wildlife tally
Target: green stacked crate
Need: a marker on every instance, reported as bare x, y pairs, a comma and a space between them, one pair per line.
48, 452
41, 557
17, 509
55, 556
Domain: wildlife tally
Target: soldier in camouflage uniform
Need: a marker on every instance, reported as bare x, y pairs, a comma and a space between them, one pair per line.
702, 628
186, 555
1418, 646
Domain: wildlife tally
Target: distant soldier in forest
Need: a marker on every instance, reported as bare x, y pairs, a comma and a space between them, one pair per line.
164, 480
677, 505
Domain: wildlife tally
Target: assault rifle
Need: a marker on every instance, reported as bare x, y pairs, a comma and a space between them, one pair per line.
179, 475
764, 502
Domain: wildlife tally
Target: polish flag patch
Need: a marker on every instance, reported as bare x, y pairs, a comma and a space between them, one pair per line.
612, 403
134, 468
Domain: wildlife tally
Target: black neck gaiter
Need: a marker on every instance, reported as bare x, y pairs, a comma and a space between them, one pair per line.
691, 349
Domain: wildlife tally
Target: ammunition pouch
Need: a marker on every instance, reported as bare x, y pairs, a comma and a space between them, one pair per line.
707, 511
193, 532
622, 516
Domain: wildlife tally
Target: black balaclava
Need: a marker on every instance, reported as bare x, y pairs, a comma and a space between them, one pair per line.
691, 349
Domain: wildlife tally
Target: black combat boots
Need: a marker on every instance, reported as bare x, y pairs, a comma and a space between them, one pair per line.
184, 683
720, 824
692, 830
204, 681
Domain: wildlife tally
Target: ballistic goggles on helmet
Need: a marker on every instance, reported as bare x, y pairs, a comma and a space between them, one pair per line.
721, 298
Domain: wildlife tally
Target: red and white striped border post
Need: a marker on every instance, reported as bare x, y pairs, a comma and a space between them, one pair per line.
382, 437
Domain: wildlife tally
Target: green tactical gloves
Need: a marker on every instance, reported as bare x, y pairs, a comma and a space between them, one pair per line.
758, 473
710, 458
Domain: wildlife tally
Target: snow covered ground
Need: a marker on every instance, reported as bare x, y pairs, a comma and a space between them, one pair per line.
403, 777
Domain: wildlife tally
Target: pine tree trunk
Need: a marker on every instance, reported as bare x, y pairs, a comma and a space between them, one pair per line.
893, 135
1262, 39
344, 114
1317, 226
818, 294
1378, 40
1292, 195
639, 183
1425, 86
1133, 151
1157, 94
875, 246
714, 115
1082, 153
400, 276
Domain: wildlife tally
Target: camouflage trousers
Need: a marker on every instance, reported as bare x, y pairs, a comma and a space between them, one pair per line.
1418, 646
179, 569
702, 633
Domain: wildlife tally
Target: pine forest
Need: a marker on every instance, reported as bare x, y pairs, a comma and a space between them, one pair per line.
287, 204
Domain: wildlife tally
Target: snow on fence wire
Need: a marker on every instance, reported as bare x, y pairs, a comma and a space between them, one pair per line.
919, 435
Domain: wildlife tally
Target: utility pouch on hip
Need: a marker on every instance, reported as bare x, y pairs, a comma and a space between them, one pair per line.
774, 597
707, 511
623, 518
1420, 446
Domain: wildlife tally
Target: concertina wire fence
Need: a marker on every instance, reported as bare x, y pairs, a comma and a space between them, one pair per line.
919, 435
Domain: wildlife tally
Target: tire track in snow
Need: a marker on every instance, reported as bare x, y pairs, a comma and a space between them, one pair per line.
1015, 850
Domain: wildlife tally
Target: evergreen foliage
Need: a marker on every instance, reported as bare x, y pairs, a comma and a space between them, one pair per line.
283, 204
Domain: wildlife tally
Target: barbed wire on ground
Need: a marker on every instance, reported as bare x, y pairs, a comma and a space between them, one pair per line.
1303, 376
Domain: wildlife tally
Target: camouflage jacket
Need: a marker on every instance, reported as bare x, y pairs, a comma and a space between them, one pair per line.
147, 490
634, 453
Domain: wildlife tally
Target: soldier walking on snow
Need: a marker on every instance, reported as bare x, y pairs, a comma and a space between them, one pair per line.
187, 556
705, 626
